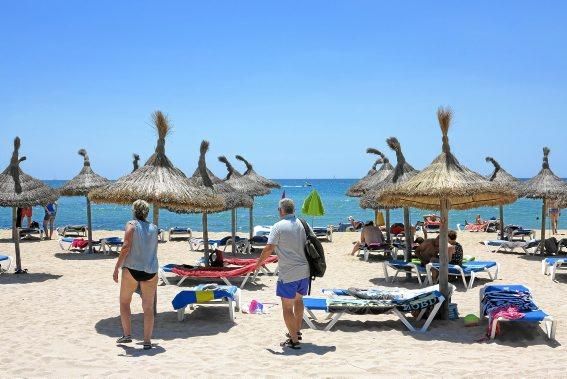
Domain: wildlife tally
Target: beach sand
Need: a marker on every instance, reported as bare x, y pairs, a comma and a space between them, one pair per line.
62, 319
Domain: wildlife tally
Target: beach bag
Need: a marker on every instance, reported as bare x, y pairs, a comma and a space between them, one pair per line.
551, 246
315, 255
216, 258
34, 225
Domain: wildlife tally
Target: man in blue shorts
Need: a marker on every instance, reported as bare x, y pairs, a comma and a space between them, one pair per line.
287, 238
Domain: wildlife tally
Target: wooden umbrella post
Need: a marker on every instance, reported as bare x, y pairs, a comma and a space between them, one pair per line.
251, 222
16, 240
444, 258
542, 242
89, 226
206, 238
388, 237
156, 214
407, 236
233, 230
501, 222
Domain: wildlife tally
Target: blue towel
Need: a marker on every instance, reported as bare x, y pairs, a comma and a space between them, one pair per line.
197, 294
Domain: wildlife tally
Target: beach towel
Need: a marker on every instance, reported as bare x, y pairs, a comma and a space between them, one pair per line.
506, 312
202, 294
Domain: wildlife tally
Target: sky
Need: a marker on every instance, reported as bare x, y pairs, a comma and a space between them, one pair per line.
300, 88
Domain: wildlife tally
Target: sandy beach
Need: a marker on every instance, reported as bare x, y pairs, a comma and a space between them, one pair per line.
62, 319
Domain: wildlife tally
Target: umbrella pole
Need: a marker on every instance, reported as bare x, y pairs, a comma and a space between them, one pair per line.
444, 259
16, 240
388, 225
206, 238
156, 214
233, 230
89, 226
542, 242
407, 236
501, 222
251, 221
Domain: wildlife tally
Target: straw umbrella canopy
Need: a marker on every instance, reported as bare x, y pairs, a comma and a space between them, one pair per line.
85, 181
204, 179
443, 185
135, 164
499, 175
158, 182
253, 176
373, 177
545, 186
18, 189
401, 173
244, 185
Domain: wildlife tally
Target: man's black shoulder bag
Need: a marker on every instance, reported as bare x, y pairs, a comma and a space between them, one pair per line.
315, 255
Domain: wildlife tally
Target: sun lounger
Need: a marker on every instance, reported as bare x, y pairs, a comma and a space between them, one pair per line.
242, 244
111, 245
493, 246
324, 233
431, 223
549, 266
76, 244
383, 248
513, 232
178, 232
533, 315
30, 232
73, 231
469, 270
379, 300
5, 263
209, 273
403, 267
207, 294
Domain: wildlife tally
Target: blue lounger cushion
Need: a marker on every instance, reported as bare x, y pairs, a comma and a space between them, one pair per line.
532, 316
552, 261
197, 295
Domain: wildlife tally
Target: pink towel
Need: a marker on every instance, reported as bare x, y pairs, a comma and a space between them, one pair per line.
507, 312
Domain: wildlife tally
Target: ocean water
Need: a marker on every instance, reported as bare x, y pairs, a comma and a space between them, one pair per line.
338, 206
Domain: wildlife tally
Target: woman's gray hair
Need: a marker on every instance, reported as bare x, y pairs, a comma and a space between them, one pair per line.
140, 209
287, 206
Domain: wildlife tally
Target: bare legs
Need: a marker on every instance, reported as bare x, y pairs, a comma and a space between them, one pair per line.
293, 315
127, 288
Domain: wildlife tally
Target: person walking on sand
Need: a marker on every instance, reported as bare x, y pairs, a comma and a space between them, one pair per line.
287, 238
49, 219
139, 264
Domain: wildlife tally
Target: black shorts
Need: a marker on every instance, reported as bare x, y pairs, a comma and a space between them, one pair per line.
140, 276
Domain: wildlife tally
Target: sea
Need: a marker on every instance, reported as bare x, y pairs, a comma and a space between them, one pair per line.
338, 207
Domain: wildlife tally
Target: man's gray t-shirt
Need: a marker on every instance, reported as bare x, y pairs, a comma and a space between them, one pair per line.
289, 238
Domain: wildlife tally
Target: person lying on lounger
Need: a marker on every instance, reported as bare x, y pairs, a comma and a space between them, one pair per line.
370, 234
428, 251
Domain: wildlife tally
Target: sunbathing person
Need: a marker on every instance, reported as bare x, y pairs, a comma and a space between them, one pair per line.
357, 225
370, 234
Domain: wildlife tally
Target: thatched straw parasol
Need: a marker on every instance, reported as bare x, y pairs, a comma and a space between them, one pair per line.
443, 185
401, 173
373, 177
499, 175
203, 179
80, 185
242, 184
18, 189
135, 164
158, 182
254, 177
546, 186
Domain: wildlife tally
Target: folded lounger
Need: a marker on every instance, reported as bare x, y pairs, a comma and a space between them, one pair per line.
73, 230
400, 266
376, 301
468, 270
178, 232
209, 273
549, 266
76, 244
207, 293
242, 244
383, 248
493, 246
324, 232
29, 232
5, 263
504, 295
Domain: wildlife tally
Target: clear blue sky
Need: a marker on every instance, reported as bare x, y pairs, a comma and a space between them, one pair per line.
301, 88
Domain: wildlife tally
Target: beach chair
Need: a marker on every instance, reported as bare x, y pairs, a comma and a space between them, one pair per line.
73, 231
431, 223
5, 263
76, 244
245, 273
549, 266
325, 233
181, 233
207, 294
536, 315
377, 248
396, 300
469, 270
400, 266
111, 245
242, 244
493, 246
30, 233
258, 242
514, 232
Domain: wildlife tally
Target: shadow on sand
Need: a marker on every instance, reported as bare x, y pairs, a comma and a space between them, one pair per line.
71, 256
35, 277
306, 348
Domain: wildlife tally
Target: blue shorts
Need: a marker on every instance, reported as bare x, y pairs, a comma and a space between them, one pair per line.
289, 290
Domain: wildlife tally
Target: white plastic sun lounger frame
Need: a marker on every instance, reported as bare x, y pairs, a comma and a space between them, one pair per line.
506, 246
309, 317
386, 250
173, 232
472, 275
108, 248
9, 260
242, 245
233, 305
549, 322
551, 269
398, 270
